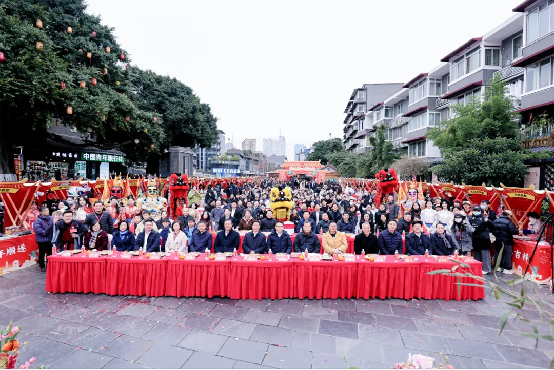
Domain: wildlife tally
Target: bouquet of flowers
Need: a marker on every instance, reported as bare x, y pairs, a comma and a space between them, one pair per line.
421, 362
10, 348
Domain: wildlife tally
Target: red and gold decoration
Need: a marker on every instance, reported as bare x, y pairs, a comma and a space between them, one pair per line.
83, 84
93, 81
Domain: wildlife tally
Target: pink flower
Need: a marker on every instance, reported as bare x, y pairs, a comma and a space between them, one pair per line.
449, 367
11, 361
423, 362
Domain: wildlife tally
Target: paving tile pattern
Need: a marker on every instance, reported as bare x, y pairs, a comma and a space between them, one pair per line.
98, 331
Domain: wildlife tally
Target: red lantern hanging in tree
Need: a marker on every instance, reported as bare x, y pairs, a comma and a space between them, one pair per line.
127, 119
39, 45
127, 66
94, 83
89, 54
39, 23
2, 57
69, 110
122, 56
62, 85
93, 33
108, 50
69, 30
155, 119
117, 83
152, 146
105, 71
82, 84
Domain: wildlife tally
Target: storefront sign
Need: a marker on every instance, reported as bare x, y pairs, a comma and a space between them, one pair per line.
102, 157
225, 170
17, 164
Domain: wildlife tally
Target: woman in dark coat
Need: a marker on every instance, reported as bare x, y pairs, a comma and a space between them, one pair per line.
123, 239
96, 238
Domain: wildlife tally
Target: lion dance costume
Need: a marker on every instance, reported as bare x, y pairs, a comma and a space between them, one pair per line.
178, 189
388, 184
281, 203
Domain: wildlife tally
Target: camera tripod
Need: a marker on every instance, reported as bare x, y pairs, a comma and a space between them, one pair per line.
548, 229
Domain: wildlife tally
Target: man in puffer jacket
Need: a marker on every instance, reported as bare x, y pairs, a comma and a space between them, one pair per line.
279, 240
504, 230
307, 240
44, 227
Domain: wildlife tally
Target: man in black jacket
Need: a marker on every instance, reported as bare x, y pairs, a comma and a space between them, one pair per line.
316, 215
417, 242
268, 223
228, 239
366, 241
405, 224
504, 230
100, 216
70, 232
487, 211
323, 226
307, 240
390, 240
481, 237
254, 241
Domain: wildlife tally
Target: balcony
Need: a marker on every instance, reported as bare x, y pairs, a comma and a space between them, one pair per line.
535, 136
358, 100
348, 118
507, 73
443, 103
358, 114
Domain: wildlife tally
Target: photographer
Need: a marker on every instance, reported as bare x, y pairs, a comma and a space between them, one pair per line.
504, 231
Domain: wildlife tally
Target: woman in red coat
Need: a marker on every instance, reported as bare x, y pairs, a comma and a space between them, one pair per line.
96, 238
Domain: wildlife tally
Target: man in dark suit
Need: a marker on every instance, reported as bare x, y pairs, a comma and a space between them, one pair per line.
316, 215
236, 214
148, 240
366, 241
417, 242
254, 241
227, 239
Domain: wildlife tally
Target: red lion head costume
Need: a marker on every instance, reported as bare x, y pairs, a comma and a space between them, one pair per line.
388, 183
178, 188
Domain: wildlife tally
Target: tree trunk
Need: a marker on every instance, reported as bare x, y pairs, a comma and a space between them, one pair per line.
153, 165
6, 152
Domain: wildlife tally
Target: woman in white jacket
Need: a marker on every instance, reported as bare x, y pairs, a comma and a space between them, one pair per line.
176, 240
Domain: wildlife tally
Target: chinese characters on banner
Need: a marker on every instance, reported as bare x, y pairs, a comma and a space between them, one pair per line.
102, 157
539, 270
17, 164
17, 252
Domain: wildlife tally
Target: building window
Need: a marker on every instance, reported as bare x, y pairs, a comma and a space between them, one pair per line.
417, 149
389, 112
473, 60
517, 47
435, 87
361, 108
457, 69
418, 92
361, 94
417, 122
539, 75
540, 21
399, 109
434, 119
492, 57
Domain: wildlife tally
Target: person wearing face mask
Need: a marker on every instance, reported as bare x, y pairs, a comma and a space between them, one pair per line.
462, 232
535, 224
481, 237
486, 211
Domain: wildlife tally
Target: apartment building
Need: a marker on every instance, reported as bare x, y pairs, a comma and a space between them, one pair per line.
360, 99
535, 55
249, 144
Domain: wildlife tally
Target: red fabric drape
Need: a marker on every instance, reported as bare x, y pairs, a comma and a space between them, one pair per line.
134, 276
388, 279
197, 278
261, 279
445, 287
76, 275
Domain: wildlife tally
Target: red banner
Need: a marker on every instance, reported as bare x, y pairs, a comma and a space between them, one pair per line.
520, 202
17, 252
17, 198
539, 269
477, 194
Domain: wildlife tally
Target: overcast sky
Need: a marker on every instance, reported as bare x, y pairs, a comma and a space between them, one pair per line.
265, 66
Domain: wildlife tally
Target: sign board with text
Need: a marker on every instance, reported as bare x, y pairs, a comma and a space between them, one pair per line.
102, 157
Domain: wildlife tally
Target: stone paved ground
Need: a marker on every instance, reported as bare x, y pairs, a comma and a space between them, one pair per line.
98, 331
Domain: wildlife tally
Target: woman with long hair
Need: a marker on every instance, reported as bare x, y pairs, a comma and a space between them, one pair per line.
207, 219
96, 238
123, 239
82, 208
32, 215
114, 211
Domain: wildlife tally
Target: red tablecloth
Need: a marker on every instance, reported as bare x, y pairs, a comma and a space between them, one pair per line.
76, 274
389, 279
135, 276
197, 278
325, 279
18, 251
444, 286
261, 279
539, 269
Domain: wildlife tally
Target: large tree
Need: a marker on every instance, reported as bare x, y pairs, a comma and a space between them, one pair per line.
481, 143
322, 149
38, 85
381, 156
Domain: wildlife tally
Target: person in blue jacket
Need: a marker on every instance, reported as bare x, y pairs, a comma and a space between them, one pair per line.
228, 239
279, 240
164, 231
254, 241
123, 240
201, 239
305, 219
148, 240
44, 230
344, 225
307, 240
390, 240
417, 242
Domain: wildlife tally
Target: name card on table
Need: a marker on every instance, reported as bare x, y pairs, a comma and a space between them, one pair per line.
442, 259
126, 255
94, 255
314, 257
380, 258
251, 257
220, 257
349, 257
154, 256
190, 256
66, 254
282, 258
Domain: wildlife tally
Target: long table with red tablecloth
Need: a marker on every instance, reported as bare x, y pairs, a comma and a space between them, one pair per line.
244, 279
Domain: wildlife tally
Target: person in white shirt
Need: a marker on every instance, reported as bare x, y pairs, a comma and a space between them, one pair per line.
176, 240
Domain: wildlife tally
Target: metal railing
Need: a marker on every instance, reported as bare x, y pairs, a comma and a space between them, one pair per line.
510, 72
534, 136
441, 103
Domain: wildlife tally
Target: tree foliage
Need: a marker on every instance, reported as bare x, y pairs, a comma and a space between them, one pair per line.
322, 149
408, 167
138, 112
481, 143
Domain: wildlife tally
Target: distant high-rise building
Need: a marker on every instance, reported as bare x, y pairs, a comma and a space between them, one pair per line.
228, 146
298, 148
249, 144
204, 155
275, 146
